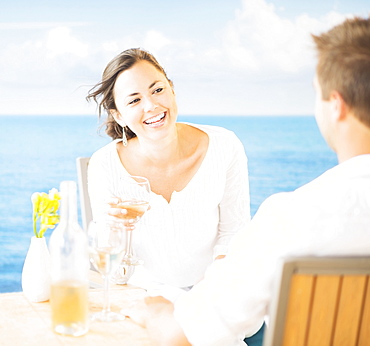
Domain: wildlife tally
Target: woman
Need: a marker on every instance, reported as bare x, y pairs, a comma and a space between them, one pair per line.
198, 174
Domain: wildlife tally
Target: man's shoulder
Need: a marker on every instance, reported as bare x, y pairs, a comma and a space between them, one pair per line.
299, 201
312, 197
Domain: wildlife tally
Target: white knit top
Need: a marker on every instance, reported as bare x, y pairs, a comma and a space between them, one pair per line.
178, 240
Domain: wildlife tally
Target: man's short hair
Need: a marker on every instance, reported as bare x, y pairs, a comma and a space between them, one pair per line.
344, 64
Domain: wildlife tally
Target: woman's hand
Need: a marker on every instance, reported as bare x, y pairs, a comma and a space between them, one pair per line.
118, 213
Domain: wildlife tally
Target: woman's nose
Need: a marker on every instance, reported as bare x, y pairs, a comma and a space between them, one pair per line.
149, 104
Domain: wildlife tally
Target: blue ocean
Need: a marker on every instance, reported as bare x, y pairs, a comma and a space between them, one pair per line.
38, 152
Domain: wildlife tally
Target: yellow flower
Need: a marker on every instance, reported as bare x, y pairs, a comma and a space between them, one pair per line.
45, 208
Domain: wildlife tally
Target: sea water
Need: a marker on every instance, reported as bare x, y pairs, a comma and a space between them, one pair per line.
38, 152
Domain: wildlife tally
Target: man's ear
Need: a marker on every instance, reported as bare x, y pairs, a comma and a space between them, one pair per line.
339, 108
117, 117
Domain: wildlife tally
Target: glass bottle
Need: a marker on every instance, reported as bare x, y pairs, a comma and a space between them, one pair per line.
69, 268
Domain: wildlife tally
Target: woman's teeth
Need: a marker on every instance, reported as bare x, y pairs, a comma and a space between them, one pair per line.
155, 119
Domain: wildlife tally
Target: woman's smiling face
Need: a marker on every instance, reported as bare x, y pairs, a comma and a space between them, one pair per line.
145, 100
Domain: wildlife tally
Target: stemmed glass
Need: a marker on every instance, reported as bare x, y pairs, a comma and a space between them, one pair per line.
133, 195
107, 243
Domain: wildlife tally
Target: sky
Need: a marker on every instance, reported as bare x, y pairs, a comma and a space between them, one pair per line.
225, 57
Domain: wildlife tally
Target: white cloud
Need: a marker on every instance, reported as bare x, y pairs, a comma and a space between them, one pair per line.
254, 54
42, 59
258, 39
60, 41
155, 40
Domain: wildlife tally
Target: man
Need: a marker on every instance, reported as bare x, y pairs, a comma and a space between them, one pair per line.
328, 216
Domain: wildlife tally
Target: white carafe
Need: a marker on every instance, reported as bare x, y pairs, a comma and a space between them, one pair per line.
69, 268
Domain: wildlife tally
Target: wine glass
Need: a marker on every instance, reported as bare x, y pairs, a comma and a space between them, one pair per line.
107, 243
133, 195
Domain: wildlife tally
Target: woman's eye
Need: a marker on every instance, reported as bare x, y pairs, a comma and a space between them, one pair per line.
158, 90
134, 101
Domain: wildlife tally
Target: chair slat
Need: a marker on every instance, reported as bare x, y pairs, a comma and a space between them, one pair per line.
321, 301
82, 164
349, 310
364, 337
324, 308
298, 310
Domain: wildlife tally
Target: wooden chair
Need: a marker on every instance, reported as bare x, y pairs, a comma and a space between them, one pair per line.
86, 213
321, 301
